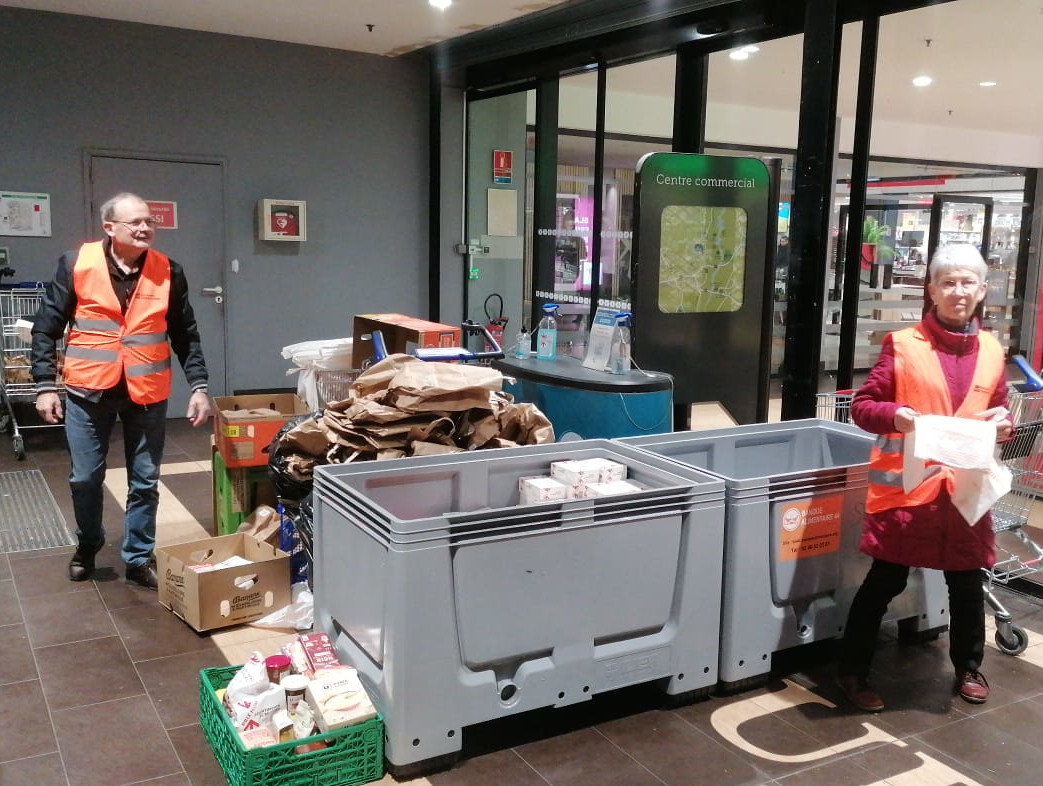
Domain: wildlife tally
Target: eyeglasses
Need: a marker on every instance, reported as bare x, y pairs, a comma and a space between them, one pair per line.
950, 285
149, 223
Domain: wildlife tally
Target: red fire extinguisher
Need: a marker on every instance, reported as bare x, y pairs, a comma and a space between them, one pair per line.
496, 324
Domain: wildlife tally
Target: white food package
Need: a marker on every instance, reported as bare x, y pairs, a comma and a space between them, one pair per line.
541, 490
336, 695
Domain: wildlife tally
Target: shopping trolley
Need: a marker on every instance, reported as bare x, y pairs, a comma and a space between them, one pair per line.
461, 354
18, 307
834, 406
1017, 555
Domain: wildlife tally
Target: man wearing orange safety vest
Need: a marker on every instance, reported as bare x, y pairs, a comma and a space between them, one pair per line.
125, 306
944, 365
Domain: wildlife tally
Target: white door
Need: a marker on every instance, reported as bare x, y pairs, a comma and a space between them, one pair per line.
197, 243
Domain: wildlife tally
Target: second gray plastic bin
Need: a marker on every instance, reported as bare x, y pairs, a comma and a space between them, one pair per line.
458, 605
795, 497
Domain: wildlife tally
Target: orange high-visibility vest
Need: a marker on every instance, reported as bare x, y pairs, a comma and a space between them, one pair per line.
920, 384
104, 344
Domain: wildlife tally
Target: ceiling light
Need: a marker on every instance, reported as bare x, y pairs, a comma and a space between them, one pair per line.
739, 54
751, 48
987, 84
441, 5
922, 81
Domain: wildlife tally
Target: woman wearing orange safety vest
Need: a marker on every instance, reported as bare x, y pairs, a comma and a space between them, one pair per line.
941, 366
125, 306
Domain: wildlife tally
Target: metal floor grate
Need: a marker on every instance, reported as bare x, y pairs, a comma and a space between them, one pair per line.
30, 519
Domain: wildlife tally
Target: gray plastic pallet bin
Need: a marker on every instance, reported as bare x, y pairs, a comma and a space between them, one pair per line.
795, 498
458, 605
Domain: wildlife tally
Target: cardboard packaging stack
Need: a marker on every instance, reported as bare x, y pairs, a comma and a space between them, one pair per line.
403, 406
577, 479
317, 694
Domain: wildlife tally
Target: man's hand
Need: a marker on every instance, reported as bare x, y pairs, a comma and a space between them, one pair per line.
198, 408
49, 407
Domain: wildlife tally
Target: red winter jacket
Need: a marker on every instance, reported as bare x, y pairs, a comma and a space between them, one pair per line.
934, 535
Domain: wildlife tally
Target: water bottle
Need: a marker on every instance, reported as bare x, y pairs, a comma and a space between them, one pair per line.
619, 353
547, 334
522, 344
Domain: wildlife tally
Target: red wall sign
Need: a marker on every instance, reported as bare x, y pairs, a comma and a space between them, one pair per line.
503, 166
165, 213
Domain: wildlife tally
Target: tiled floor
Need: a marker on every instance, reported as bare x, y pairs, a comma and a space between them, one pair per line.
98, 687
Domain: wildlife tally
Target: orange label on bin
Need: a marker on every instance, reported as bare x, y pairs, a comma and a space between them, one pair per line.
809, 527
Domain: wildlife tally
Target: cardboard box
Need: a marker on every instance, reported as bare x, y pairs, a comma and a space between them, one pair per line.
221, 597
401, 334
338, 698
541, 490
244, 426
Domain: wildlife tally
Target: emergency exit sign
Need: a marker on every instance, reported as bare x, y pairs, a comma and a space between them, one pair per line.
503, 166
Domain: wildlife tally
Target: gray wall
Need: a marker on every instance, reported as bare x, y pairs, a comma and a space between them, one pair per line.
496, 124
346, 132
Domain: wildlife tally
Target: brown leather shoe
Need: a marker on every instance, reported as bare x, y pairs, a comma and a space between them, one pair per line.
145, 575
972, 687
858, 692
81, 566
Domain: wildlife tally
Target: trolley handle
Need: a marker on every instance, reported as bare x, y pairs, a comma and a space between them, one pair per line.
1033, 381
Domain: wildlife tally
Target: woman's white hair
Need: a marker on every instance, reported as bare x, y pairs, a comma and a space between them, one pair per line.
958, 256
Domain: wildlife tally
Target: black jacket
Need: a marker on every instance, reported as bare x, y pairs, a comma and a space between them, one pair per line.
59, 306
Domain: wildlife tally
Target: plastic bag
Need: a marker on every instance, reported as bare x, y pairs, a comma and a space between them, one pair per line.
286, 486
334, 354
299, 615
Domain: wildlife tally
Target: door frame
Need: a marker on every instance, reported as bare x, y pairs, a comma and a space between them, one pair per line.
90, 153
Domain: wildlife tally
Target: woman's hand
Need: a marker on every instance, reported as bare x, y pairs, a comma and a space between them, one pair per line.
1001, 417
904, 419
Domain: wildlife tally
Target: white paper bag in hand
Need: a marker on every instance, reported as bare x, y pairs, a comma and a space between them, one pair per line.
976, 491
961, 443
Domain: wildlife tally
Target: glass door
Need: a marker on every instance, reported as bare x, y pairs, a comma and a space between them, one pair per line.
968, 219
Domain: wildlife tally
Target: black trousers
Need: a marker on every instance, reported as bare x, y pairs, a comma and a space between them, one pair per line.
884, 581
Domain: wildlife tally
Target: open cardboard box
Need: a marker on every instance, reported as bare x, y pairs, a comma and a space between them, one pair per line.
225, 596
401, 334
244, 427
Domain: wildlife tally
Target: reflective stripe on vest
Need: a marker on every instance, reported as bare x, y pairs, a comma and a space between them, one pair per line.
105, 345
920, 384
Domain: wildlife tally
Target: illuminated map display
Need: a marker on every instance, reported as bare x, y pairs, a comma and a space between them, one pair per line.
702, 259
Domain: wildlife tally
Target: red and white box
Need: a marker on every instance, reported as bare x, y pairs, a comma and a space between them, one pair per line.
319, 650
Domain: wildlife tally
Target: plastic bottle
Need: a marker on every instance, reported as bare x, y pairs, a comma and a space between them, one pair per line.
522, 344
619, 352
547, 334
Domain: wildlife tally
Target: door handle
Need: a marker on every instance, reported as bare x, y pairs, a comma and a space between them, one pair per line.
217, 293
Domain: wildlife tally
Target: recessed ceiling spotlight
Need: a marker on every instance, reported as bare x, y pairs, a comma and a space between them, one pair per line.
441, 5
922, 81
739, 54
987, 84
751, 48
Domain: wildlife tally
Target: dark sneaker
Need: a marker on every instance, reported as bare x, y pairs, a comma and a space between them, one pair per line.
971, 686
81, 566
858, 692
145, 575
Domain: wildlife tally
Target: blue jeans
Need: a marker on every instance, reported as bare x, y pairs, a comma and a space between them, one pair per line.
88, 427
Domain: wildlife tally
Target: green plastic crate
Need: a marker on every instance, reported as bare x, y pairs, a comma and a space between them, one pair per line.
355, 754
227, 514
